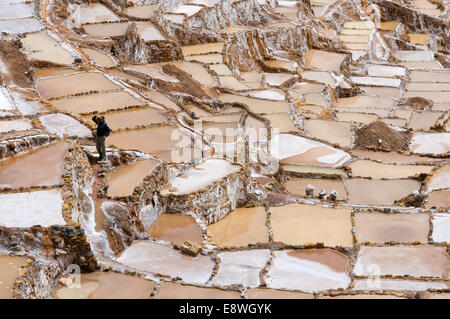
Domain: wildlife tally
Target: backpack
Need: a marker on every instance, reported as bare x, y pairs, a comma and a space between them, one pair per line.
108, 131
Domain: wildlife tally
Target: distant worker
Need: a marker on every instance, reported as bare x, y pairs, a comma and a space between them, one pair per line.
102, 133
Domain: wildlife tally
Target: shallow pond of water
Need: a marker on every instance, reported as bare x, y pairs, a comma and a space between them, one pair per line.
298, 224
379, 192
176, 228
125, 178
9, 268
381, 228
298, 185
46, 163
241, 227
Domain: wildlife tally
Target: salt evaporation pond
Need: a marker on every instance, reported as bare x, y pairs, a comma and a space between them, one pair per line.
32, 208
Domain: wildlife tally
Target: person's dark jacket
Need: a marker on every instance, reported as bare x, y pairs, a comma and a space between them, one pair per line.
102, 128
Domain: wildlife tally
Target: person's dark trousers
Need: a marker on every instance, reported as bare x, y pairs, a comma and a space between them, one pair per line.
101, 147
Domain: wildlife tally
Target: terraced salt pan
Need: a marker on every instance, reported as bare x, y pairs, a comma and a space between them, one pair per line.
241, 227
430, 143
188, 10
200, 176
146, 11
264, 293
241, 267
281, 121
15, 125
379, 192
21, 25
74, 84
319, 76
101, 59
395, 284
427, 86
382, 91
428, 65
33, 208
381, 228
324, 60
438, 199
298, 224
125, 178
10, 11
107, 285
393, 157
376, 81
97, 102
215, 47
113, 29
423, 121
441, 228
197, 71
308, 270
356, 117
9, 270
277, 79
414, 56
385, 70
415, 261
365, 168
274, 95
298, 185
230, 82
213, 58
61, 124
427, 76
170, 290
342, 132
150, 140
40, 46
156, 258
440, 179
257, 105
221, 69
151, 71
365, 101
176, 228
436, 96
306, 151
45, 163
148, 32
95, 12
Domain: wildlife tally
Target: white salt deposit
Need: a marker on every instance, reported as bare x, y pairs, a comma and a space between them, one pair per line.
430, 143
241, 267
440, 179
156, 258
34, 208
288, 272
60, 124
387, 284
441, 228
414, 56
274, 95
15, 125
5, 101
287, 145
188, 10
200, 176
94, 12
385, 70
375, 81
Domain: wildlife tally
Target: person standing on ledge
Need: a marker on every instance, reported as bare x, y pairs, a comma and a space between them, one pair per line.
102, 133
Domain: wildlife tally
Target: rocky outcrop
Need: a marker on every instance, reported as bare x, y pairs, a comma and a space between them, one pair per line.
119, 224
137, 50
36, 280
225, 14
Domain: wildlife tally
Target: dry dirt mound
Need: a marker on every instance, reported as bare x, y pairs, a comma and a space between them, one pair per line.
417, 102
380, 137
19, 69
